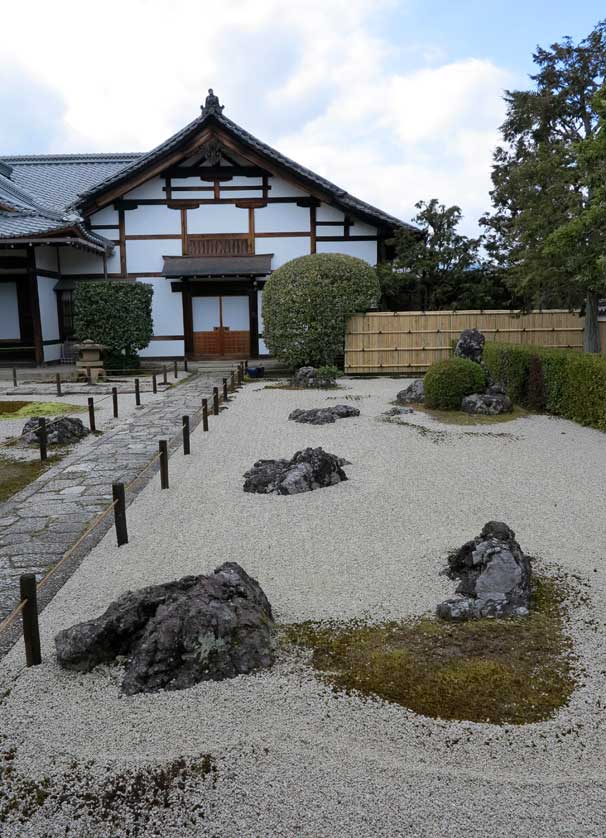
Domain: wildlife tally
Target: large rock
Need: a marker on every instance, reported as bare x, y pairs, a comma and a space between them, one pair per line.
61, 431
470, 345
199, 628
323, 415
310, 377
312, 468
494, 577
487, 404
413, 394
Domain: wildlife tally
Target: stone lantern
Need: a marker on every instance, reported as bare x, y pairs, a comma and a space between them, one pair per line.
90, 358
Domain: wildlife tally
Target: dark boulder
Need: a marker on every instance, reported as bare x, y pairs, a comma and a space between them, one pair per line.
494, 577
312, 468
470, 345
323, 415
310, 377
61, 431
487, 404
199, 628
413, 394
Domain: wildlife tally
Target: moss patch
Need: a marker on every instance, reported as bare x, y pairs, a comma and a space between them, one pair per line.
458, 417
500, 671
25, 410
16, 474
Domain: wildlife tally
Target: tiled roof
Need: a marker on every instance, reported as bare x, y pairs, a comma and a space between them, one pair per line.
57, 180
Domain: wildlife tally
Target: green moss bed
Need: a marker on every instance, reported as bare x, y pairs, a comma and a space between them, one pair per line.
17, 474
511, 671
25, 410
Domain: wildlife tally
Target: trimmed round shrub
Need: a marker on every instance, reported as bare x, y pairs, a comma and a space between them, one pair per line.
448, 382
307, 303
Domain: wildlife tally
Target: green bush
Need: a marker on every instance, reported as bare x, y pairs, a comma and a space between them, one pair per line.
307, 303
448, 382
573, 383
117, 314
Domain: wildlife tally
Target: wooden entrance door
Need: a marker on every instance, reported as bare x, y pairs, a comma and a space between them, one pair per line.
221, 326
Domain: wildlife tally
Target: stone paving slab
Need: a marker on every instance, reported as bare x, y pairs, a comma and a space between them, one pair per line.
40, 523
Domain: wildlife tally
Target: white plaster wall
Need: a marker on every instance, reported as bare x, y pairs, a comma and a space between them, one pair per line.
49, 317
107, 215
79, 261
113, 261
237, 194
363, 250
152, 219
217, 218
284, 189
240, 180
359, 228
46, 257
9, 312
283, 249
282, 218
146, 256
167, 307
164, 349
327, 213
153, 188
263, 350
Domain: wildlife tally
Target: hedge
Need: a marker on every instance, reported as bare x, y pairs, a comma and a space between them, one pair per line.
558, 381
307, 303
447, 383
117, 314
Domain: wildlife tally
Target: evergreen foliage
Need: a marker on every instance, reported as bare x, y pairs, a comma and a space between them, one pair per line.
448, 382
116, 314
307, 303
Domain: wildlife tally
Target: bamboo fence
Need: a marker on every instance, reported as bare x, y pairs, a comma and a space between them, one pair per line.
410, 341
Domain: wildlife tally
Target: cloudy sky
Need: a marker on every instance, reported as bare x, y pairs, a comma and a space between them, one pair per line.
394, 100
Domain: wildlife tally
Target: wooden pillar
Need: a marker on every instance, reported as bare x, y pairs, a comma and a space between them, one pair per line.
253, 304
32, 282
188, 323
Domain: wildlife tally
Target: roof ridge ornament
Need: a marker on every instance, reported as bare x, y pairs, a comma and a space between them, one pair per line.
212, 105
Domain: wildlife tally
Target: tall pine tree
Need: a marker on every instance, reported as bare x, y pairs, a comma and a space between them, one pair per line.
540, 187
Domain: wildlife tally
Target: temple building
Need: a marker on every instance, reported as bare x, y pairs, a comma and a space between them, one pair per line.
204, 218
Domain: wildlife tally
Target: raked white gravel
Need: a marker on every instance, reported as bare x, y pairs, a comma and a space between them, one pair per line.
292, 758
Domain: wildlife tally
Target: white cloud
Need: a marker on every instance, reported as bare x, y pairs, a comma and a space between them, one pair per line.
312, 77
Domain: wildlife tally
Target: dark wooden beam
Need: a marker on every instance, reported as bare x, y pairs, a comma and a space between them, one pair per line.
32, 282
216, 171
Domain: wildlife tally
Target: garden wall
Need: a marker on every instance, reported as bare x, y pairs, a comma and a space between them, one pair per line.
410, 341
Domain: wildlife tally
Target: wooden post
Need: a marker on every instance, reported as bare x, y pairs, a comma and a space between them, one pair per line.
137, 393
176, 369
91, 414
31, 631
204, 414
14, 376
164, 374
115, 401
58, 382
225, 396
89, 376
120, 513
240, 375
185, 365
42, 436
216, 401
186, 448
163, 446
154, 383
232, 381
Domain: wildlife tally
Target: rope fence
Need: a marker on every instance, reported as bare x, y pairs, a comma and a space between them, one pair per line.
29, 588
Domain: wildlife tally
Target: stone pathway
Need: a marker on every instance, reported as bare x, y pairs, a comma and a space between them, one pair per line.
46, 518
